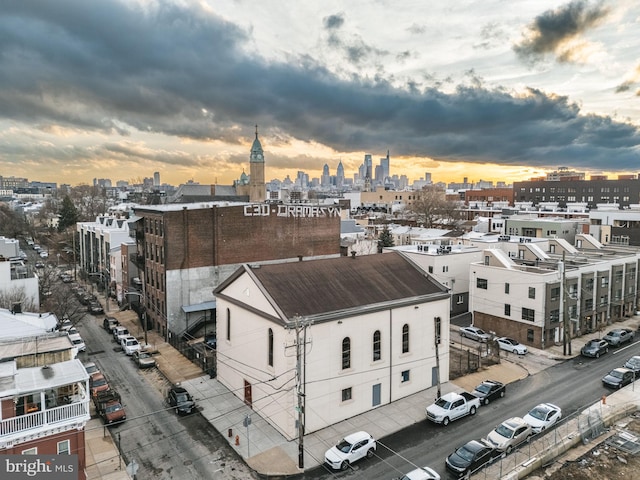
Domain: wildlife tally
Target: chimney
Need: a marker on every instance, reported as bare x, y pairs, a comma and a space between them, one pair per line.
17, 308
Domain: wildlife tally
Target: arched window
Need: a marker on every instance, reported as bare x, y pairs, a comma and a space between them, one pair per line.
405, 338
376, 346
346, 353
228, 324
270, 347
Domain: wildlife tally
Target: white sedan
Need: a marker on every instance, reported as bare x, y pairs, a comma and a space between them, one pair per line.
510, 345
543, 416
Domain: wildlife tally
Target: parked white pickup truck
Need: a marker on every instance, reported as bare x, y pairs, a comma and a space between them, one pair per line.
452, 406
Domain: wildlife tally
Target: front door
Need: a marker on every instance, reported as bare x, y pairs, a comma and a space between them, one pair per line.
376, 394
247, 394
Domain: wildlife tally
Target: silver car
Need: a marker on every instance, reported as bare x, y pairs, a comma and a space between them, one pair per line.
474, 333
509, 434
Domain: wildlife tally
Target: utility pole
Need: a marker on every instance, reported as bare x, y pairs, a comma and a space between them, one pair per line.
566, 322
437, 325
300, 326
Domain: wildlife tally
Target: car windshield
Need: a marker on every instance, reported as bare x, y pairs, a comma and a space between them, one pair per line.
344, 446
442, 403
144, 355
539, 413
483, 388
182, 397
616, 373
613, 333
633, 363
505, 431
593, 344
77, 342
99, 382
465, 453
132, 342
113, 408
479, 332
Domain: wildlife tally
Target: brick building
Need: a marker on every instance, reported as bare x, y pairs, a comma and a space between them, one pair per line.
184, 251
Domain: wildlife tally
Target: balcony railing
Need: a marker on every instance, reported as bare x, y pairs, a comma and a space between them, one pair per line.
52, 417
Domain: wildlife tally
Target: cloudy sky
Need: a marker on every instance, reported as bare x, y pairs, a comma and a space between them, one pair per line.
487, 89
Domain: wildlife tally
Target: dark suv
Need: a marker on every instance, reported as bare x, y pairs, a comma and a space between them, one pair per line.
595, 348
180, 400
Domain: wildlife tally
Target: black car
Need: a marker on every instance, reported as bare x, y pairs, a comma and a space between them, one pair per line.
489, 390
470, 457
180, 400
618, 378
595, 348
95, 308
109, 322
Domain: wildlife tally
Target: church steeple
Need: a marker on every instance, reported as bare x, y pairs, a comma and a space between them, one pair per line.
257, 154
257, 187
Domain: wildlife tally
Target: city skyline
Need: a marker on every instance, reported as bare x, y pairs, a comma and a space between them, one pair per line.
482, 91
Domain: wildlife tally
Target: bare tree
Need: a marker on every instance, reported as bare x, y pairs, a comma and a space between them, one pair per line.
90, 201
59, 301
14, 295
431, 209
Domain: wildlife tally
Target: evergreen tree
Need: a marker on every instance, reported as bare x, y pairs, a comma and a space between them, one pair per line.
68, 214
385, 239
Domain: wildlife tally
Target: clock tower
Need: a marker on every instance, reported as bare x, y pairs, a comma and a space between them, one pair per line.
257, 189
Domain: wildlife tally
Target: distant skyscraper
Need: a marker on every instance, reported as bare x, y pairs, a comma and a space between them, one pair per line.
325, 180
340, 175
384, 163
427, 177
156, 179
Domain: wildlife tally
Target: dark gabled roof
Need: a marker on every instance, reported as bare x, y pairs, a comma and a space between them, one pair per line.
320, 287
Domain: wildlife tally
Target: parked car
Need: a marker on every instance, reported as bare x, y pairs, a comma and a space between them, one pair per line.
510, 345
352, 448
595, 348
109, 323
95, 308
120, 332
129, 345
109, 407
98, 383
471, 456
618, 378
180, 400
424, 473
474, 333
489, 390
43, 254
633, 364
509, 434
39, 265
543, 416
619, 336
78, 342
143, 359
91, 368
451, 406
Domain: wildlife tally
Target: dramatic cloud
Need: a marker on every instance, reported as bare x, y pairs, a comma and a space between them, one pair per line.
557, 32
633, 79
120, 70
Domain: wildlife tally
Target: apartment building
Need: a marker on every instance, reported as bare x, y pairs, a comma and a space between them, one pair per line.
44, 399
538, 291
184, 251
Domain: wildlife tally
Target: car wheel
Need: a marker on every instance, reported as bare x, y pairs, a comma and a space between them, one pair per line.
370, 453
445, 421
463, 335
597, 354
486, 401
472, 410
501, 393
606, 350
344, 465
509, 449
542, 429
